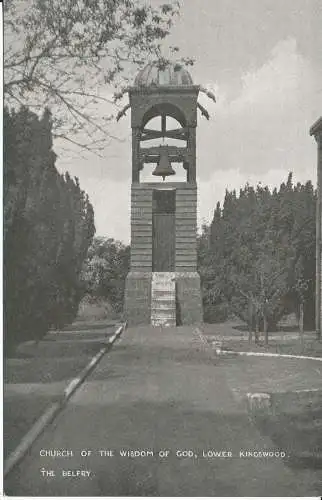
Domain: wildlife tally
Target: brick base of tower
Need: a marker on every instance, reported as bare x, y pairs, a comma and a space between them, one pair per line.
137, 303
188, 295
137, 298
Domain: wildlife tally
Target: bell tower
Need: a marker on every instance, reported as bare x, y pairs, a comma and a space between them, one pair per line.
163, 286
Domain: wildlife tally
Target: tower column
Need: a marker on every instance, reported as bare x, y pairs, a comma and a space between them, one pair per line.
316, 131
135, 154
318, 304
191, 147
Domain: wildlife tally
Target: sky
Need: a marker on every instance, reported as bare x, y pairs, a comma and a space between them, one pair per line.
263, 61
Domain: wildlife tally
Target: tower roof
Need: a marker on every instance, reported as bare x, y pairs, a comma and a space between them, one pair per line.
173, 74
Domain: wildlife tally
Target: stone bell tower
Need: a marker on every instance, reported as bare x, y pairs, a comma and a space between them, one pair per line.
163, 286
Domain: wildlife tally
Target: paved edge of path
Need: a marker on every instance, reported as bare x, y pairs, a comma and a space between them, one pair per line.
54, 408
217, 346
223, 352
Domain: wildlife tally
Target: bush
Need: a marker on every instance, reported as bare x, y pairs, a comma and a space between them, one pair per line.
216, 313
105, 270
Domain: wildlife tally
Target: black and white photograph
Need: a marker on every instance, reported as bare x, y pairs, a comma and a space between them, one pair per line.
162, 248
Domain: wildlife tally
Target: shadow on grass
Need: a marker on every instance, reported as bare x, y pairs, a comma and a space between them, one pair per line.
80, 326
35, 371
280, 329
304, 445
52, 349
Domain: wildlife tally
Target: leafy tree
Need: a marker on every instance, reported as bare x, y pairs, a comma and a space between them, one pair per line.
105, 270
64, 53
48, 227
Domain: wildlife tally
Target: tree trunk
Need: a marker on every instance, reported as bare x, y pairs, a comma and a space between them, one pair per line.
250, 321
256, 329
301, 321
265, 330
309, 313
250, 334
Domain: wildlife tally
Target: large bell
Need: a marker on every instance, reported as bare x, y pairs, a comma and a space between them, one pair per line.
163, 168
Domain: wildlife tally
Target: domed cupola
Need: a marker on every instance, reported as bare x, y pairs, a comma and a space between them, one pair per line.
171, 75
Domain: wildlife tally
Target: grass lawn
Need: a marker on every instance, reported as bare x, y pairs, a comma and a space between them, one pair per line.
36, 375
19, 414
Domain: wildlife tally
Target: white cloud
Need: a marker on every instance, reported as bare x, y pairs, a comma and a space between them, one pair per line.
267, 125
281, 81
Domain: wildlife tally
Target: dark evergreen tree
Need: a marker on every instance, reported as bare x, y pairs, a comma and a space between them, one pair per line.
260, 260
48, 227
